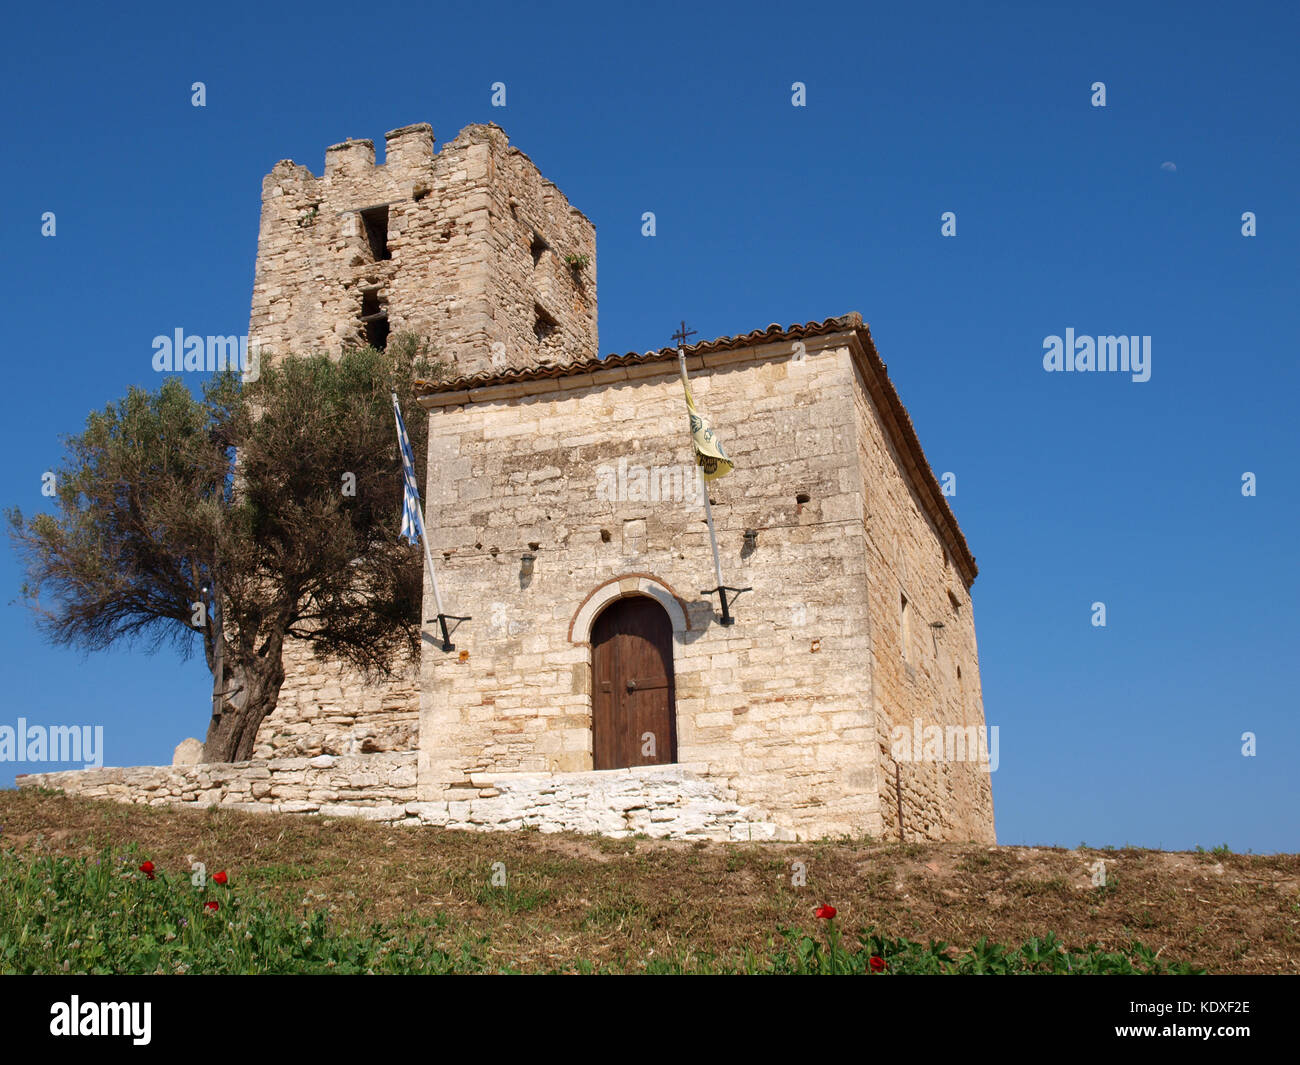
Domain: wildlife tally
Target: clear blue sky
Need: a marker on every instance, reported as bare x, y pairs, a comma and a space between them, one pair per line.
1071, 488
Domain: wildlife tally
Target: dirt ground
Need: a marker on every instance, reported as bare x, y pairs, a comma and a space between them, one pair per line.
621, 901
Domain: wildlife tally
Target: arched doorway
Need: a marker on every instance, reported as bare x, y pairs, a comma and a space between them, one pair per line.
634, 716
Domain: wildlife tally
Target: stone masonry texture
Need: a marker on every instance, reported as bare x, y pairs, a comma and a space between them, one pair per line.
859, 622
793, 707
480, 249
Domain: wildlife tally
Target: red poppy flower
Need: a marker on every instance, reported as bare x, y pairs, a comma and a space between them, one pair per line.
147, 869
212, 904
825, 913
877, 963
219, 878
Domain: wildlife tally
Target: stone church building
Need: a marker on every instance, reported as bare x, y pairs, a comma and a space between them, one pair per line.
594, 686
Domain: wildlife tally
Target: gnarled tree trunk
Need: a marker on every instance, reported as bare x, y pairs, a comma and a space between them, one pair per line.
252, 690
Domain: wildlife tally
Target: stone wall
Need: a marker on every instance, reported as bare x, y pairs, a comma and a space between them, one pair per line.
784, 721
933, 675
477, 242
380, 784
657, 801
776, 709
541, 282
327, 708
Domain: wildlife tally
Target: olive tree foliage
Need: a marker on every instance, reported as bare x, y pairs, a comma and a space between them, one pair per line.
263, 512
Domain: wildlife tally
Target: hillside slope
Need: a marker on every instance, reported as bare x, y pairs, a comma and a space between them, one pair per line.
570, 901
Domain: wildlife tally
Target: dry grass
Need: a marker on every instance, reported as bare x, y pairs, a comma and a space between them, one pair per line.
619, 902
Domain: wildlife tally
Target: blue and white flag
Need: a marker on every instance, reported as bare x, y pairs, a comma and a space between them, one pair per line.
411, 523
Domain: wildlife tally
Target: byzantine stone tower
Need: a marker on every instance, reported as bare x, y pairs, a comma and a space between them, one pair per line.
469, 246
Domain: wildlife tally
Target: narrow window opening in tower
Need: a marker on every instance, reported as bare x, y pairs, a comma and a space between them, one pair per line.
539, 248
377, 333
374, 319
543, 324
375, 220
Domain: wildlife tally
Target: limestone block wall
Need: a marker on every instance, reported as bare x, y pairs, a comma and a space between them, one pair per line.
656, 801
777, 708
377, 785
477, 240
327, 708
920, 673
784, 721
475, 249
542, 269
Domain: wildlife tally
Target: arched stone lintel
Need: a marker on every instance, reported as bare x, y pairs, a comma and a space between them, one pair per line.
620, 587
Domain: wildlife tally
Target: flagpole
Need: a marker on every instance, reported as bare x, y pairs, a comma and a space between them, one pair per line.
418, 510
428, 557
708, 517
721, 588
704, 489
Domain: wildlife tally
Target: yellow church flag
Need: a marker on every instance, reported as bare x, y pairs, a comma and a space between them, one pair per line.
709, 454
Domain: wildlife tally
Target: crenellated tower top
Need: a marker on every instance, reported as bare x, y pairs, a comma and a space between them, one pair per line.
468, 245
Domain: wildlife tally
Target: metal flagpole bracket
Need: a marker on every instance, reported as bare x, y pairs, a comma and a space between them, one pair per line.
442, 620
721, 591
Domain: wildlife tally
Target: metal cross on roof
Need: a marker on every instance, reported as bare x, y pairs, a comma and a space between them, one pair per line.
681, 335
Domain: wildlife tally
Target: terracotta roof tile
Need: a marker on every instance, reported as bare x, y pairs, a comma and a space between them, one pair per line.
772, 334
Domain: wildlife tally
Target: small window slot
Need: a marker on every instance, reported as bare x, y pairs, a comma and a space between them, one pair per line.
375, 222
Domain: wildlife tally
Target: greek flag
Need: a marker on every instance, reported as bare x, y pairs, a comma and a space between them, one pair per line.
411, 523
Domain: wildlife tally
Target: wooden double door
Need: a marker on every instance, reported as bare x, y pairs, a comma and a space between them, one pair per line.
634, 717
